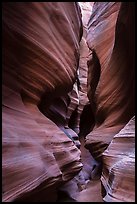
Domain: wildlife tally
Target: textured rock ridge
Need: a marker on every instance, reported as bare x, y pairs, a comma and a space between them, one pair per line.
119, 166
111, 38
39, 64
111, 71
65, 111
67, 84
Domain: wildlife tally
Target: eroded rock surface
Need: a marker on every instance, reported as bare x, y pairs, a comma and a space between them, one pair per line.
40, 59
111, 71
111, 94
118, 175
48, 69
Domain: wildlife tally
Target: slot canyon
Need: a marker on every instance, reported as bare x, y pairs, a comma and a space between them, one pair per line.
68, 102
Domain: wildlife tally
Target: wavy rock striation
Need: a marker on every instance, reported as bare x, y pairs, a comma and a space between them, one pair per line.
47, 71
40, 59
111, 93
111, 71
119, 166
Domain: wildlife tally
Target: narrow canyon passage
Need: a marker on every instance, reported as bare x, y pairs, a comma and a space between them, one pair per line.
68, 118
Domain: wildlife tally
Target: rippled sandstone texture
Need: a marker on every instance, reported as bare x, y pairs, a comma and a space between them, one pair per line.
111, 94
111, 71
118, 176
80, 121
66, 110
40, 61
42, 72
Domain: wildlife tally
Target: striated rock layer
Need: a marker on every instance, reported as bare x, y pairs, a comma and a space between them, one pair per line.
45, 105
73, 110
40, 60
110, 71
111, 93
118, 175
65, 111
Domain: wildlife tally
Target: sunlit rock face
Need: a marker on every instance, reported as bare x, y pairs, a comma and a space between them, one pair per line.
79, 119
110, 71
40, 61
118, 175
65, 111
86, 10
85, 111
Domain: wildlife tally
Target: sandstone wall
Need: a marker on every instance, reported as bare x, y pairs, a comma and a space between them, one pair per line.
111, 91
40, 60
111, 71
118, 175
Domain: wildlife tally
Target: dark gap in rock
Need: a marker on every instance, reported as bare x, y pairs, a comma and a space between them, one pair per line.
73, 119
87, 121
94, 70
64, 197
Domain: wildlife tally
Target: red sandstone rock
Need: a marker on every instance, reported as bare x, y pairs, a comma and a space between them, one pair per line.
111, 71
66, 110
40, 66
111, 94
40, 57
118, 175
78, 188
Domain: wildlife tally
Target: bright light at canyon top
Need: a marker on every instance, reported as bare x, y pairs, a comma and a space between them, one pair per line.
86, 9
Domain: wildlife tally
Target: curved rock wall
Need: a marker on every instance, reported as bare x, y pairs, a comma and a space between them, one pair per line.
65, 111
34, 29
111, 71
118, 175
40, 60
111, 38
45, 105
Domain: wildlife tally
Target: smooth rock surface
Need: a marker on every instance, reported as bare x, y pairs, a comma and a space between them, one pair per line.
111, 91
61, 91
39, 64
110, 71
